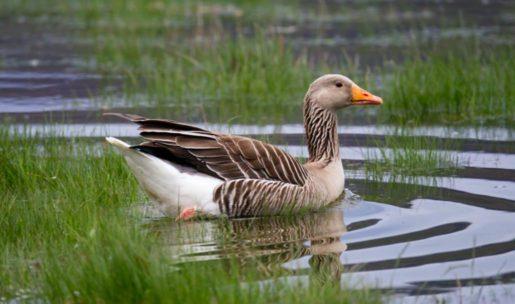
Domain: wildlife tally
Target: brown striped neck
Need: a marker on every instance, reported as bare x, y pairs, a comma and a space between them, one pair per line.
321, 132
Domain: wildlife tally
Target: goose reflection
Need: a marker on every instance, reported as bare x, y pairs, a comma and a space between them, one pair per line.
265, 244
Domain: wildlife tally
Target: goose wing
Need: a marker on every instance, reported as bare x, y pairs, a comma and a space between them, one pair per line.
223, 156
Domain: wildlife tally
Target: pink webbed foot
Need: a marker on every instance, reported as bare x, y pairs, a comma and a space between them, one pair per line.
187, 214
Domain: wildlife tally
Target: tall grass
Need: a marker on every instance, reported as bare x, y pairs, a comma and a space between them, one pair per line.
252, 79
465, 87
404, 157
226, 58
209, 55
245, 71
240, 76
71, 233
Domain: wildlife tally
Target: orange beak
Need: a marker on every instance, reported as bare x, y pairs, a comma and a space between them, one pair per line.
362, 97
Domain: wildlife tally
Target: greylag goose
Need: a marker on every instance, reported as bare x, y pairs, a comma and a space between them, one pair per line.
193, 172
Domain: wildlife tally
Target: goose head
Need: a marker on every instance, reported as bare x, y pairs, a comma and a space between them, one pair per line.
334, 92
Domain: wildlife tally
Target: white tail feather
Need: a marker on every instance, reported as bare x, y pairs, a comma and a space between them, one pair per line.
117, 143
172, 188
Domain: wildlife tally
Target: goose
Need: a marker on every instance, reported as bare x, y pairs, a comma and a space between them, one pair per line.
191, 172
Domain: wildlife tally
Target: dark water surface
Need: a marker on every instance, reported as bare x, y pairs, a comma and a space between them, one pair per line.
438, 246
420, 239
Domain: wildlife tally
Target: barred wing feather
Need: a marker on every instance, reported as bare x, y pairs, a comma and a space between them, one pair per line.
223, 156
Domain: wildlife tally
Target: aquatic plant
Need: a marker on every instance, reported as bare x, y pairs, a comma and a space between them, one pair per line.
404, 157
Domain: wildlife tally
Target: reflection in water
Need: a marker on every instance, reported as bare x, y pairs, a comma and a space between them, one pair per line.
265, 244
425, 240
278, 240
325, 264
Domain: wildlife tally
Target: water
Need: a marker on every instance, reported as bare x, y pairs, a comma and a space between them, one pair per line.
426, 246
421, 238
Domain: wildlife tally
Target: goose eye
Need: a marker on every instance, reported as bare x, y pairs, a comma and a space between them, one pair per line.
339, 84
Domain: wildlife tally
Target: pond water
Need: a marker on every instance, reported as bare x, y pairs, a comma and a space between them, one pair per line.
452, 240
421, 238
445, 246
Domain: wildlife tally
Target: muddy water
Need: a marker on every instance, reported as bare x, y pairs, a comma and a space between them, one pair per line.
420, 239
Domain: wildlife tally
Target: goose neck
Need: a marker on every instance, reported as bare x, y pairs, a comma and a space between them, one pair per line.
321, 132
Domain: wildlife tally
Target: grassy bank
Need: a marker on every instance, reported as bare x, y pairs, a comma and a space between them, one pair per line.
72, 232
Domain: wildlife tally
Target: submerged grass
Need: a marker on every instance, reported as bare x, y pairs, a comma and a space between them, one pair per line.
70, 233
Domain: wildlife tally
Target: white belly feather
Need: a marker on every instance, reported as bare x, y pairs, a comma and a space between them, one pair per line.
172, 186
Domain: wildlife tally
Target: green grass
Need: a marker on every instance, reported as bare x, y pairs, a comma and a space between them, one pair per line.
166, 59
464, 87
219, 68
405, 167
221, 58
404, 157
71, 232
239, 77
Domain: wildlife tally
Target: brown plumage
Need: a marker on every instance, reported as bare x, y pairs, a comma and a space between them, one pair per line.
256, 178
